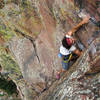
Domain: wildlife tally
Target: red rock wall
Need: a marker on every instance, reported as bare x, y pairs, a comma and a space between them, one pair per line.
91, 6
46, 21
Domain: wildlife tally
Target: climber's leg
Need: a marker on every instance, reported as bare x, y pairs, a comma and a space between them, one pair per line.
65, 66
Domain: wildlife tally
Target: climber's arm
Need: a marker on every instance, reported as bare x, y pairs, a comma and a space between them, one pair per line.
84, 21
77, 52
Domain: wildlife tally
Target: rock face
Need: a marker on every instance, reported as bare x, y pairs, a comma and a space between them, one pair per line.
30, 35
81, 82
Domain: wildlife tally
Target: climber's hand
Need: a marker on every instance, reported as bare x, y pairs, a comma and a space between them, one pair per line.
70, 33
86, 19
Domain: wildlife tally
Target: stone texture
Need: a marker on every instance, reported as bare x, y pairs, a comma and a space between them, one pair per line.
24, 52
77, 84
30, 36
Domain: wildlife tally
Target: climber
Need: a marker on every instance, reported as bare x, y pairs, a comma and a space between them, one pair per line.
68, 49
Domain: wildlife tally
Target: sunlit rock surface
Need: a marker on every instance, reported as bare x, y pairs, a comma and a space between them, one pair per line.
30, 36
81, 82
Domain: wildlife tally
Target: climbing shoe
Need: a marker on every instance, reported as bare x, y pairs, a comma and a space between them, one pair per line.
58, 76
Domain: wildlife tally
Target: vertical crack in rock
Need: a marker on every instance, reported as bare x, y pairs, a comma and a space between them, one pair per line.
32, 41
32, 16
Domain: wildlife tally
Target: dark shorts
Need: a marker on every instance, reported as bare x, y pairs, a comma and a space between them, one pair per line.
65, 65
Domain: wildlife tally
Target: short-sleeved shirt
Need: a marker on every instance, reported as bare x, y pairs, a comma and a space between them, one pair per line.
65, 51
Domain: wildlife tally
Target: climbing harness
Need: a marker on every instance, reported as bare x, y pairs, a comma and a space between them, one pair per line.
65, 60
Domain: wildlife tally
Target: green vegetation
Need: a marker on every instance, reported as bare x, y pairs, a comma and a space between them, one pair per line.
1, 4
9, 64
2, 95
6, 32
8, 86
24, 3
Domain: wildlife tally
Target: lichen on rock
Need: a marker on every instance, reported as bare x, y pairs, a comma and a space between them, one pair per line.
30, 36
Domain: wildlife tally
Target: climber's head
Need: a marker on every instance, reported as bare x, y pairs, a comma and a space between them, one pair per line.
67, 42
70, 41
